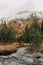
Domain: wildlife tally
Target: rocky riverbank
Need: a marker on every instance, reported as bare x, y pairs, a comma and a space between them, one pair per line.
10, 48
21, 57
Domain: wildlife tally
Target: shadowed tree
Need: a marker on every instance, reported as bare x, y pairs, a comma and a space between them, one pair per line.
42, 28
34, 30
7, 34
26, 34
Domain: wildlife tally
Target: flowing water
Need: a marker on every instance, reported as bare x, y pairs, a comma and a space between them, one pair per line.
21, 57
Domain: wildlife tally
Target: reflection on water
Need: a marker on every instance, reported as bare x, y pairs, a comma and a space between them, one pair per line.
21, 57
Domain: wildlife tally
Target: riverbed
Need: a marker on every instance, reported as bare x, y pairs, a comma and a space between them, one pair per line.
21, 57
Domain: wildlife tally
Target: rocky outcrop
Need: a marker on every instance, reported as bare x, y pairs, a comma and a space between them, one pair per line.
20, 25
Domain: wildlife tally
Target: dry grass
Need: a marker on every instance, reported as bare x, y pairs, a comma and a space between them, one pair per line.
40, 49
9, 47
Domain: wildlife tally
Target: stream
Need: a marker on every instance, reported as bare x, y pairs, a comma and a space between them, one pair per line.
21, 57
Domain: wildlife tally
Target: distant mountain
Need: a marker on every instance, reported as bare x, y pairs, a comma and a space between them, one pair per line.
26, 14
22, 15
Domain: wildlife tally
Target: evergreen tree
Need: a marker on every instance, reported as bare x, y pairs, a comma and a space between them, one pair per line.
34, 33
26, 34
42, 31
42, 28
34, 30
7, 34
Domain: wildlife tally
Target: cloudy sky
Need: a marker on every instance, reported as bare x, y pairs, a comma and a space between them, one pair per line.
9, 7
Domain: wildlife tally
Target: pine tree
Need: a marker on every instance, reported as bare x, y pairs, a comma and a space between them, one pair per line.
26, 34
42, 28
34, 33
7, 34
34, 30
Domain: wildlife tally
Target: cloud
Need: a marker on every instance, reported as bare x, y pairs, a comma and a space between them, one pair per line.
29, 5
9, 7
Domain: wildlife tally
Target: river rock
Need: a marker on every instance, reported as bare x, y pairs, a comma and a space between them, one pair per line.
9, 62
1, 63
22, 57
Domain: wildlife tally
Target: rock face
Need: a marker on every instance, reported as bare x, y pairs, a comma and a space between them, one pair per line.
19, 26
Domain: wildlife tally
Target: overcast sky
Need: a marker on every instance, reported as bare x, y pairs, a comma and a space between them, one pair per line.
9, 7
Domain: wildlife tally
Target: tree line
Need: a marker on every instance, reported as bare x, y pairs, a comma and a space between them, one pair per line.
33, 34
7, 34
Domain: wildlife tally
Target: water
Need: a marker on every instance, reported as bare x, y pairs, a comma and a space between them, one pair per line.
21, 57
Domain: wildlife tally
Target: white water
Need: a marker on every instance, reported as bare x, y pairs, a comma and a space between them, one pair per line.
21, 57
